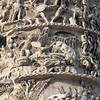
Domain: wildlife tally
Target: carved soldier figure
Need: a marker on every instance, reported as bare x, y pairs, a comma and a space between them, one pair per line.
59, 13
85, 12
87, 43
93, 22
84, 40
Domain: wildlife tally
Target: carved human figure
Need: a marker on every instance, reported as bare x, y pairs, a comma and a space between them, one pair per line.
10, 44
90, 64
59, 13
85, 9
6, 93
11, 59
93, 22
70, 54
78, 15
87, 65
40, 12
26, 46
27, 19
44, 35
57, 46
85, 12
7, 64
73, 19
5, 14
91, 40
95, 11
86, 43
18, 11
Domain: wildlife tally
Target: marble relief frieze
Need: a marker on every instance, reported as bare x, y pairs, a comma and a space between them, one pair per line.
49, 50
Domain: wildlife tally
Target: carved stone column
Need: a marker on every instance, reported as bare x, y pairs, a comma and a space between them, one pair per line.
46, 53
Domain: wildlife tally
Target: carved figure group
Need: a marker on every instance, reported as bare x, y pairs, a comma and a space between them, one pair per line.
79, 94
83, 14
59, 13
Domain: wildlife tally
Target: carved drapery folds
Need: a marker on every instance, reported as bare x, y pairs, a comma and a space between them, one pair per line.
50, 50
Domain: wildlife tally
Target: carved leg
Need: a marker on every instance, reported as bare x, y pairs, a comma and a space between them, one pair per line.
45, 2
84, 52
83, 23
44, 17
55, 17
2, 28
64, 19
14, 15
56, 2
28, 52
37, 21
19, 14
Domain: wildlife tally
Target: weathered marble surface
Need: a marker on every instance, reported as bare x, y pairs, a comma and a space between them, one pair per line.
49, 50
